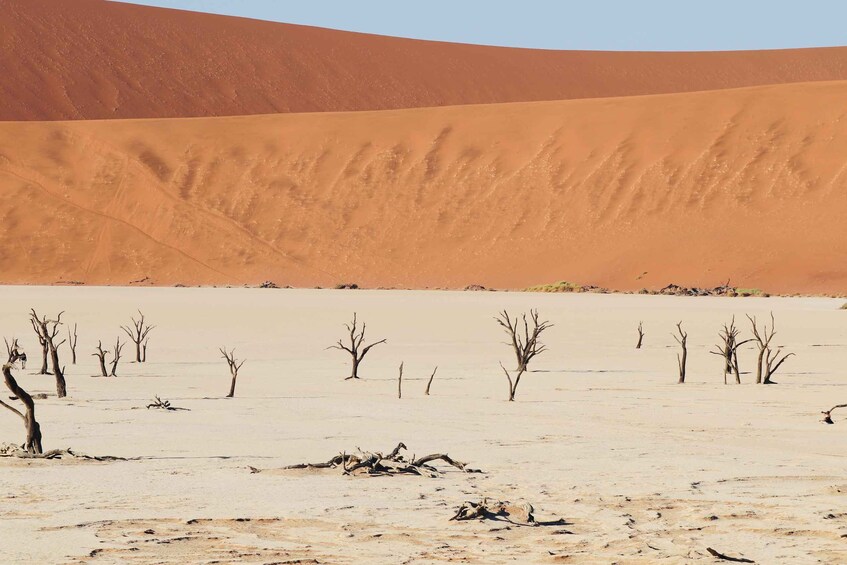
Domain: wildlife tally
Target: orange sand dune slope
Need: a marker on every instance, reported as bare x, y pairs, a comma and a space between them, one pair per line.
747, 184
91, 59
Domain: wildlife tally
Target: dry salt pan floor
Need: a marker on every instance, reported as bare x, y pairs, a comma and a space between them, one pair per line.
641, 469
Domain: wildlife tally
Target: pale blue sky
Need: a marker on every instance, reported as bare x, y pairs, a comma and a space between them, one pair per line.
649, 25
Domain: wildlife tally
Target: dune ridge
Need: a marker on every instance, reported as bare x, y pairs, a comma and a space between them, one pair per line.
93, 59
625, 193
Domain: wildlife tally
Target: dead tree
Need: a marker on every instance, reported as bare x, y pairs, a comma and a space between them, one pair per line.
526, 344
101, 357
640, 335
827, 414
48, 330
72, 338
768, 361
355, 349
400, 382
45, 349
513, 384
681, 358
138, 334
234, 366
144, 350
429, 384
32, 445
116, 356
728, 350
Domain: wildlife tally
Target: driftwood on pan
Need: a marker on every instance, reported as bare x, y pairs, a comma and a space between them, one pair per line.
827, 414
163, 405
725, 557
394, 463
16, 451
520, 514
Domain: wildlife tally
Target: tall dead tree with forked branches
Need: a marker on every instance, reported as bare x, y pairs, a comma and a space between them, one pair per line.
116, 356
355, 349
101, 357
32, 444
682, 357
769, 361
138, 335
523, 338
234, 366
728, 350
48, 330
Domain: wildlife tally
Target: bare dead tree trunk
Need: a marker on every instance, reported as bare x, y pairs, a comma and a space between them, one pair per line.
355, 349
768, 361
400, 382
49, 336
681, 358
429, 384
116, 356
138, 334
525, 345
45, 349
513, 384
144, 350
234, 366
33, 429
728, 350
640, 335
72, 339
101, 357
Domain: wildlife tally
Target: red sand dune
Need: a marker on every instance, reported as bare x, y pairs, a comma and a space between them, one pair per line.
91, 59
695, 188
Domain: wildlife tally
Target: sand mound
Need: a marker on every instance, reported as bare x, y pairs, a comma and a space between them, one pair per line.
90, 59
622, 193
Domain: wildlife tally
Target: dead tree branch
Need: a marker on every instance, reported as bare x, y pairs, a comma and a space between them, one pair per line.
164, 405
394, 463
429, 383
827, 415
640, 335
724, 557
355, 349
518, 514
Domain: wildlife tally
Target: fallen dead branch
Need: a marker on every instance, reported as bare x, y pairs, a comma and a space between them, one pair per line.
163, 405
519, 514
725, 557
378, 464
827, 415
8, 450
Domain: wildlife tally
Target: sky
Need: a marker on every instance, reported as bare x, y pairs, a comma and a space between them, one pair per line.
629, 25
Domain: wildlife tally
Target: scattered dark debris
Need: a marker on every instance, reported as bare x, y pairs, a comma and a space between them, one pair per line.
164, 405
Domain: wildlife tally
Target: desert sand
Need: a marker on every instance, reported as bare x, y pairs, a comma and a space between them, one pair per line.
643, 470
93, 59
625, 193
